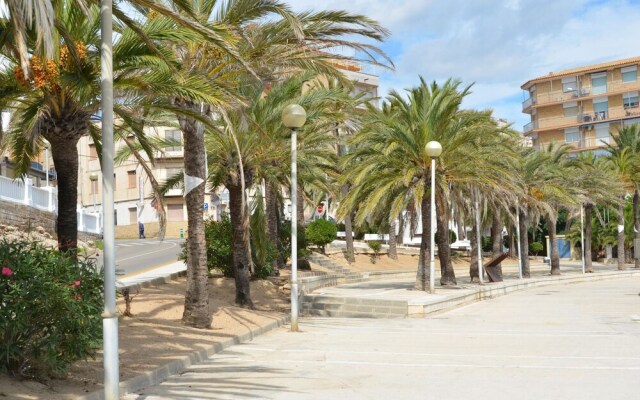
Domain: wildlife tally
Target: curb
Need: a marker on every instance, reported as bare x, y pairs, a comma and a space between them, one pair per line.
421, 309
155, 376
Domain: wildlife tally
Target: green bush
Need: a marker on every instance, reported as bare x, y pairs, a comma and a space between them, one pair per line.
219, 238
375, 246
536, 248
49, 312
285, 239
321, 232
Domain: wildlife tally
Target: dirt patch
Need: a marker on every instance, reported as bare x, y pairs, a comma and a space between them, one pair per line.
155, 335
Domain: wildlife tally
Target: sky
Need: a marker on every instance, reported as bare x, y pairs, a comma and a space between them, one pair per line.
496, 45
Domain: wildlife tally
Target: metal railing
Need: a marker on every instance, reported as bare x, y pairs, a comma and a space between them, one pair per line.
560, 95
530, 126
45, 199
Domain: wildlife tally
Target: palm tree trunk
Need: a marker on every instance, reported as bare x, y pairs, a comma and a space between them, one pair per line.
271, 204
241, 260
448, 276
473, 266
496, 238
196, 302
588, 262
65, 158
636, 221
461, 232
512, 242
553, 243
393, 251
621, 254
524, 245
348, 232
423, 275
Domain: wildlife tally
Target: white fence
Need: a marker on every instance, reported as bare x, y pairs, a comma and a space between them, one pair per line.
45, 199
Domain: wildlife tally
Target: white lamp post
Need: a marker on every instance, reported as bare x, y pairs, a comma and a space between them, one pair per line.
94, 178
434, 149
293, 117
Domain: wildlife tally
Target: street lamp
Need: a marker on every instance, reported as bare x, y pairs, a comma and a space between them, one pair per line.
434, 149
94, 178
293, 117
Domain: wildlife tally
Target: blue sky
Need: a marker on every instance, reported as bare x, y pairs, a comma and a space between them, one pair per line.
495, 44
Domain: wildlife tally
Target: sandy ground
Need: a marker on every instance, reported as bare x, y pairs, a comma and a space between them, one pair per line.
155, 335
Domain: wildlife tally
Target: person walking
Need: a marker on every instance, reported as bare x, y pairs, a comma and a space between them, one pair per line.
141, 230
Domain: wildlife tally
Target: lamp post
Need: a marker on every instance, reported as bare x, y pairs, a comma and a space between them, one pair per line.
434, 149
293, 117
518, 233
93, 178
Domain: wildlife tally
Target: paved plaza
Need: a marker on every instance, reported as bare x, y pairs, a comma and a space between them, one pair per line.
577, 341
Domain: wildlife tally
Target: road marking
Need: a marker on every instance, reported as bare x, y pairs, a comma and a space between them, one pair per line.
147, 253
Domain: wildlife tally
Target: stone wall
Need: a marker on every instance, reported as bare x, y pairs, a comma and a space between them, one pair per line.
25, 218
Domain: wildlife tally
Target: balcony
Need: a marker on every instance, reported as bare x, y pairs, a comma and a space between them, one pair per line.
528, 103
586, 92
529, 127
588, 143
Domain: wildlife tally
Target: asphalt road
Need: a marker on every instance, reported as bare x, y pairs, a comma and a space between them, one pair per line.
578, 341
135, 256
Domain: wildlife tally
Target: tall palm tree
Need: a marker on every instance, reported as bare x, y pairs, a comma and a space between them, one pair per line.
60, 99
629, 138
592, 175
400, 132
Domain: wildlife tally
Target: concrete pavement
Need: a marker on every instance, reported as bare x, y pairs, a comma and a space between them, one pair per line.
558, 342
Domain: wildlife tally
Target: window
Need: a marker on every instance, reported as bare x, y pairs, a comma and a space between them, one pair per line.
133, 215
571, 135
93, 153
174, 136
569, 84
131, 177
174, 212
570, 109
599, 82
602, 134
630, 74
630, 99
600, 108
171, 172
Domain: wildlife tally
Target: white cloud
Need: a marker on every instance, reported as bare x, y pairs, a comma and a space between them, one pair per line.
499, 45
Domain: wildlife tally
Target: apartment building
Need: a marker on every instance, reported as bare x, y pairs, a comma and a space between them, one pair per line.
583, 106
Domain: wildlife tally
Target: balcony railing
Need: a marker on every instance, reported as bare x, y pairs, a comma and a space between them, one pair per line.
530, 126
558, 96
528, 103
582, 144
583, 119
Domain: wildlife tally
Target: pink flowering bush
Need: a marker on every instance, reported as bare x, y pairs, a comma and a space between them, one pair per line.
50, 308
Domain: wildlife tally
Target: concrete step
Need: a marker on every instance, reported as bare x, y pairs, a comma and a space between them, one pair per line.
353, 307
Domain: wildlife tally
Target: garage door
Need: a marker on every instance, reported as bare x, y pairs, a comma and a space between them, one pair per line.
174, 212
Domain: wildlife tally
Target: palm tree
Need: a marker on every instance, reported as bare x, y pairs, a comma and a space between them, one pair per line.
400, 132
61, 98
598, 187
624, 159
629, 138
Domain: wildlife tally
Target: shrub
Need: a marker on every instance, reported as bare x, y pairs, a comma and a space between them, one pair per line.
536, 248
49, 312
285, 239
375, 245
321, 232
219, 238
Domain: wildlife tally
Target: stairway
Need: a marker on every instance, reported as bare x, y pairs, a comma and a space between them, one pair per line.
352, 307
